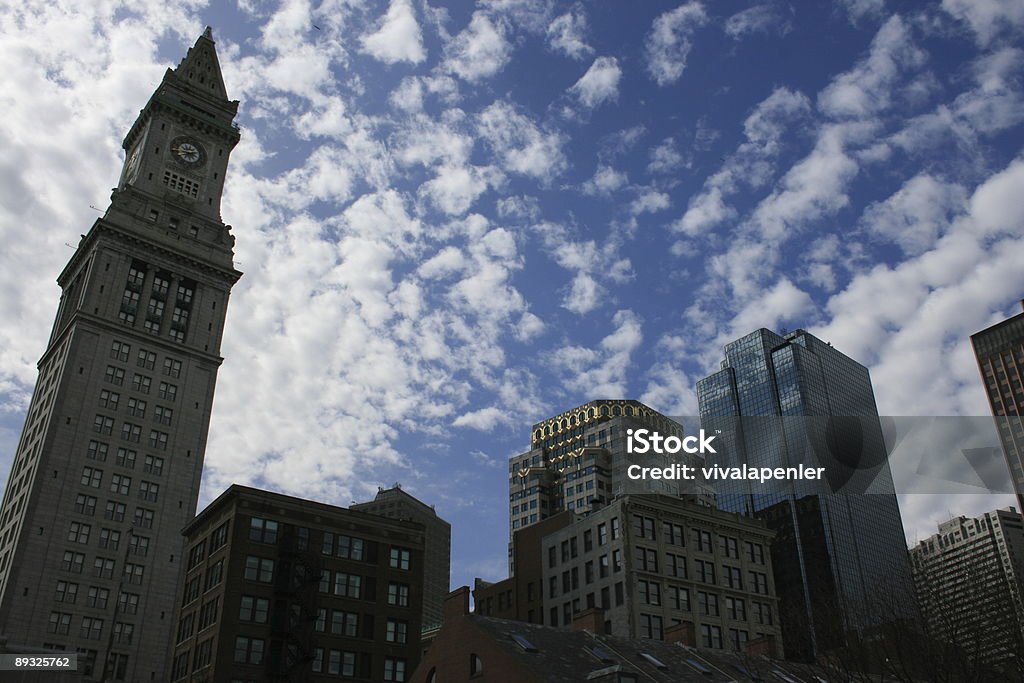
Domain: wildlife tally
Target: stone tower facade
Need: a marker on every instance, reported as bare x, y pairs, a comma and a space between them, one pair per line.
108, 467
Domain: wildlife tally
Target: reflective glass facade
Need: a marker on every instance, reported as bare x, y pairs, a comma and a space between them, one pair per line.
840, 559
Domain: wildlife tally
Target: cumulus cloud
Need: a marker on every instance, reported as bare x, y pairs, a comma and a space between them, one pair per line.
479, 51
988, 19
766, 18
604, 181
916, 215
398, 39
519, 144
568, 34
599, 85
602, 372
670, 41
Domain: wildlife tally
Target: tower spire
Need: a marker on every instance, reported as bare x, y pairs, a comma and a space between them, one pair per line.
200, 68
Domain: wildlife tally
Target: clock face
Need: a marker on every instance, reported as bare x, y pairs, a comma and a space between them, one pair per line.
133, 165
188, 152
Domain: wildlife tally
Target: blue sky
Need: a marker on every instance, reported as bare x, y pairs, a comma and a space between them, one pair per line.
455, 221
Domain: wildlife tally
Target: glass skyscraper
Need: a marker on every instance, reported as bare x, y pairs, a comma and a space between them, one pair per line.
840, 558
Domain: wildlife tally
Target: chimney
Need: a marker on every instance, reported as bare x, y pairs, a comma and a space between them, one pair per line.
682, 632
456, 604
590, 619
761, 647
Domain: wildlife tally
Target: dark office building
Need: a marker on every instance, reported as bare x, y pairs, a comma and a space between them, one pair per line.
107, 469
840, 558
1000, 353
397, 504
284, 589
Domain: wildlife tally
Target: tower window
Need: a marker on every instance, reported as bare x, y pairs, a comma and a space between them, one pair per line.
178, 183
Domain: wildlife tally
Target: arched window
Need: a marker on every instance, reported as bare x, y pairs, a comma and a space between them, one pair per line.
616, 411
476, 665
432, 676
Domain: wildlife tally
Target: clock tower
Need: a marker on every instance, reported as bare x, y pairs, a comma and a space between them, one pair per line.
108, 467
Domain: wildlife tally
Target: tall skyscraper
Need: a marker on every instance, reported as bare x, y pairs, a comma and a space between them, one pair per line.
970, 584
1000, 353
108, 467
397, 504
840, 559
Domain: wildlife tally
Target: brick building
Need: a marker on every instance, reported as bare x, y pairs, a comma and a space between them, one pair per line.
278, 588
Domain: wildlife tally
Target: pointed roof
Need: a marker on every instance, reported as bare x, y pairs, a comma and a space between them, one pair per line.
200, 68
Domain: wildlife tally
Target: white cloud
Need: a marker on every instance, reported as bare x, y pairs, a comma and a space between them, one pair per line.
605, 181
916, 215
665, 158
480, 51
670, 41
751, 163
868, 88
600, 84
988, 18
568, 34
399, 38
602, 372
519, 144
909, 319
651, 201
588, 261
766, 18
857, 10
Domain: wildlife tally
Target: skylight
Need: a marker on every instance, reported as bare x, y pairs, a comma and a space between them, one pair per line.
602, 654
653, 660
522, 642
698, 666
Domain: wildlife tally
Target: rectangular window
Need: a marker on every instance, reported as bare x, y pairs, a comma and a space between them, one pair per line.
114, 375
168, 392
394, 669
120, 484
348, 585
248, 650
144, 518
60, 623
110, 539
91, 477
172, 368
153, 465
146, 359
133, 573
128, 603
126, 458
162, 415
103, 424
131, 432
109, 399
85, 505
262, 530
66, 592
114, 511
398, 594
97, 597
158, 440
136, 407
214, 574
120, 351
139, 545
92, 628
103, 568
259, 569
399, 558
344, 623
254, 610
149, 491
97, 451
78, 532
141, 383
397, 631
